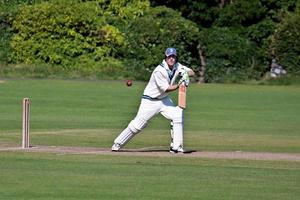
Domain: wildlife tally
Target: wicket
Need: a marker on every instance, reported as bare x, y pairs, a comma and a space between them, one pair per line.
25, 127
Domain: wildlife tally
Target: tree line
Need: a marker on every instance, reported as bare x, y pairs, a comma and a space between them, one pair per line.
222, 40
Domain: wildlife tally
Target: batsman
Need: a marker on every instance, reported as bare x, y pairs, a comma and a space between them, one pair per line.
165, 78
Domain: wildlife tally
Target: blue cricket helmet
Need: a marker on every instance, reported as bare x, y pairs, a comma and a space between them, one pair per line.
171, 51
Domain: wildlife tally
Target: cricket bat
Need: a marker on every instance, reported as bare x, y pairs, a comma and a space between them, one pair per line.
182, 96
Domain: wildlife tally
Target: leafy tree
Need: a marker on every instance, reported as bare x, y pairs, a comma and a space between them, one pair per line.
80, 35
8, 12
104, 36
260, 32
127, 9
230, 57
203, 12
241, 13
148, 37
69, 33
275, 9
286, 44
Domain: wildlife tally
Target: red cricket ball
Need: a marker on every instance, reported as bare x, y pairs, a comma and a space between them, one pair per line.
129, 83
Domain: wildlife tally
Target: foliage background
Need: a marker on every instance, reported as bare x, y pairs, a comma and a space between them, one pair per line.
126, 38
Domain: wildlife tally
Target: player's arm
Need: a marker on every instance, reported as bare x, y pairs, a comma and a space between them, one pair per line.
162, 82
172, 88
190, 72
183, 69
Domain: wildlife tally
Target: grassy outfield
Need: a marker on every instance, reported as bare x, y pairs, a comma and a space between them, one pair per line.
49, 176
92, 113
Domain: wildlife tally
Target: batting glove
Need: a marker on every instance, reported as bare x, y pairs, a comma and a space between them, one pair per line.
181, 70
184, 79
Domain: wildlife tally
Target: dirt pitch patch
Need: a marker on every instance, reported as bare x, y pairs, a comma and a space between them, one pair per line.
158, 152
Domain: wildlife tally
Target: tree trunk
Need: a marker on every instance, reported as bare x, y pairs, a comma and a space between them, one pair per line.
202, 67
221, 3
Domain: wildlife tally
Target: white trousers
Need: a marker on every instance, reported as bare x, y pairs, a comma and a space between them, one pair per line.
147, 110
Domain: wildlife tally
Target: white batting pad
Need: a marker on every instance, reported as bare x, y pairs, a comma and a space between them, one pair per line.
177, 135
124, 136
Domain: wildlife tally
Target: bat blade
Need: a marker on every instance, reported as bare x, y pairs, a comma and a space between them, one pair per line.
182, 96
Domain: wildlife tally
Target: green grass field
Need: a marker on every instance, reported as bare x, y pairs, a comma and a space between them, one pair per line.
92, 113
48, 176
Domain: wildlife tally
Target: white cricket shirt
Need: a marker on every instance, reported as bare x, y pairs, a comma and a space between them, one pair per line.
160, 80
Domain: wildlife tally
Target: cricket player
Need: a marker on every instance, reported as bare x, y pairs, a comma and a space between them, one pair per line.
155, 100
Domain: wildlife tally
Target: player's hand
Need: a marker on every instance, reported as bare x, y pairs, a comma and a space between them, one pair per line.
184, 79
181, 70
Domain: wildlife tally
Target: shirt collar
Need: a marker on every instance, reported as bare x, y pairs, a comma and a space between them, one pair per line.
167, 67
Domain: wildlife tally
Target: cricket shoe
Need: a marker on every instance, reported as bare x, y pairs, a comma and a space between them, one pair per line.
116, 147
179, 150
171, 145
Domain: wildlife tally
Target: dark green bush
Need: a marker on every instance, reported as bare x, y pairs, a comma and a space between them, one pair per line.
148, 36
230, 57
260, 32
67, 33
202, 12
241, 13
116, 38
8, 12
286, 43
5, 35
